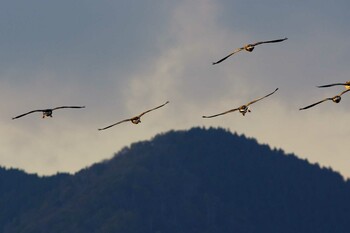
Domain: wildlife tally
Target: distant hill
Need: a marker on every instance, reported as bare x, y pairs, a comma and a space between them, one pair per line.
200, 181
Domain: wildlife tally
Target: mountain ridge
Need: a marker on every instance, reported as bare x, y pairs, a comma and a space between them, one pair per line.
197, 180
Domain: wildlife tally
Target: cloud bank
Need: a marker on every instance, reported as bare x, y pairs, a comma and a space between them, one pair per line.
121, 58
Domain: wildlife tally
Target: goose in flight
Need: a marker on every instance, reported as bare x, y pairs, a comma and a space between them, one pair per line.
47, 112
242, 109
335, 99
249, 48
135, 119
346, 85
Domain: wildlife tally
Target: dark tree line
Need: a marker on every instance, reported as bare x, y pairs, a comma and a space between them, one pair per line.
200, 180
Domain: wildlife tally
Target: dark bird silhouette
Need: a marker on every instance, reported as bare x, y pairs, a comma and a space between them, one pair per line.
346, 85
242, 109
135, 119
249, 48
47, 112
335, 99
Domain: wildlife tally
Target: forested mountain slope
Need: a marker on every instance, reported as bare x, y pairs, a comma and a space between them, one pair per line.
200, 180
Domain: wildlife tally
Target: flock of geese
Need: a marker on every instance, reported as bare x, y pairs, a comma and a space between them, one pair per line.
242, 109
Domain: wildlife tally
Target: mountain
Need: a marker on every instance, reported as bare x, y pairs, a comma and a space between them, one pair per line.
200, 180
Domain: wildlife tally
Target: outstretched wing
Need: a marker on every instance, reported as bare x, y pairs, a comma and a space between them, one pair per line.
27, 114
152, 109
269, 41
252, 102
115, 124
237, 50
334, 84
344, 92
68, 107
315, 104
223, 113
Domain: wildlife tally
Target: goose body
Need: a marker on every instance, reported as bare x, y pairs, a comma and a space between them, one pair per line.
242, 109
249, 48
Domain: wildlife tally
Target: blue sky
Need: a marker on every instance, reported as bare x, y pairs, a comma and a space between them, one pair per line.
119, 58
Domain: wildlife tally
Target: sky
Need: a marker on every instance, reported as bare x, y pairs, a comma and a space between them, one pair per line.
119, 58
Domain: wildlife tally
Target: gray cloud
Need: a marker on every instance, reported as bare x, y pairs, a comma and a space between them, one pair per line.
121, 57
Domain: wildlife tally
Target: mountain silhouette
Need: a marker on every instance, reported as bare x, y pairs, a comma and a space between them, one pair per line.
198, 180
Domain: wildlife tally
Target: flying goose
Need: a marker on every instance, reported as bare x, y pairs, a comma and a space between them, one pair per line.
346, 85
135, 119
46, 112
335, 99
242, 109
249, 48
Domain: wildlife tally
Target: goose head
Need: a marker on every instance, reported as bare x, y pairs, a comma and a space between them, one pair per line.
136, 120
336, 99
347, 85
243, 109
249, 47
47, 113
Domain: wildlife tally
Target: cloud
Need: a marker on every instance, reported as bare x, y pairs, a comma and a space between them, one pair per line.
121, 58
